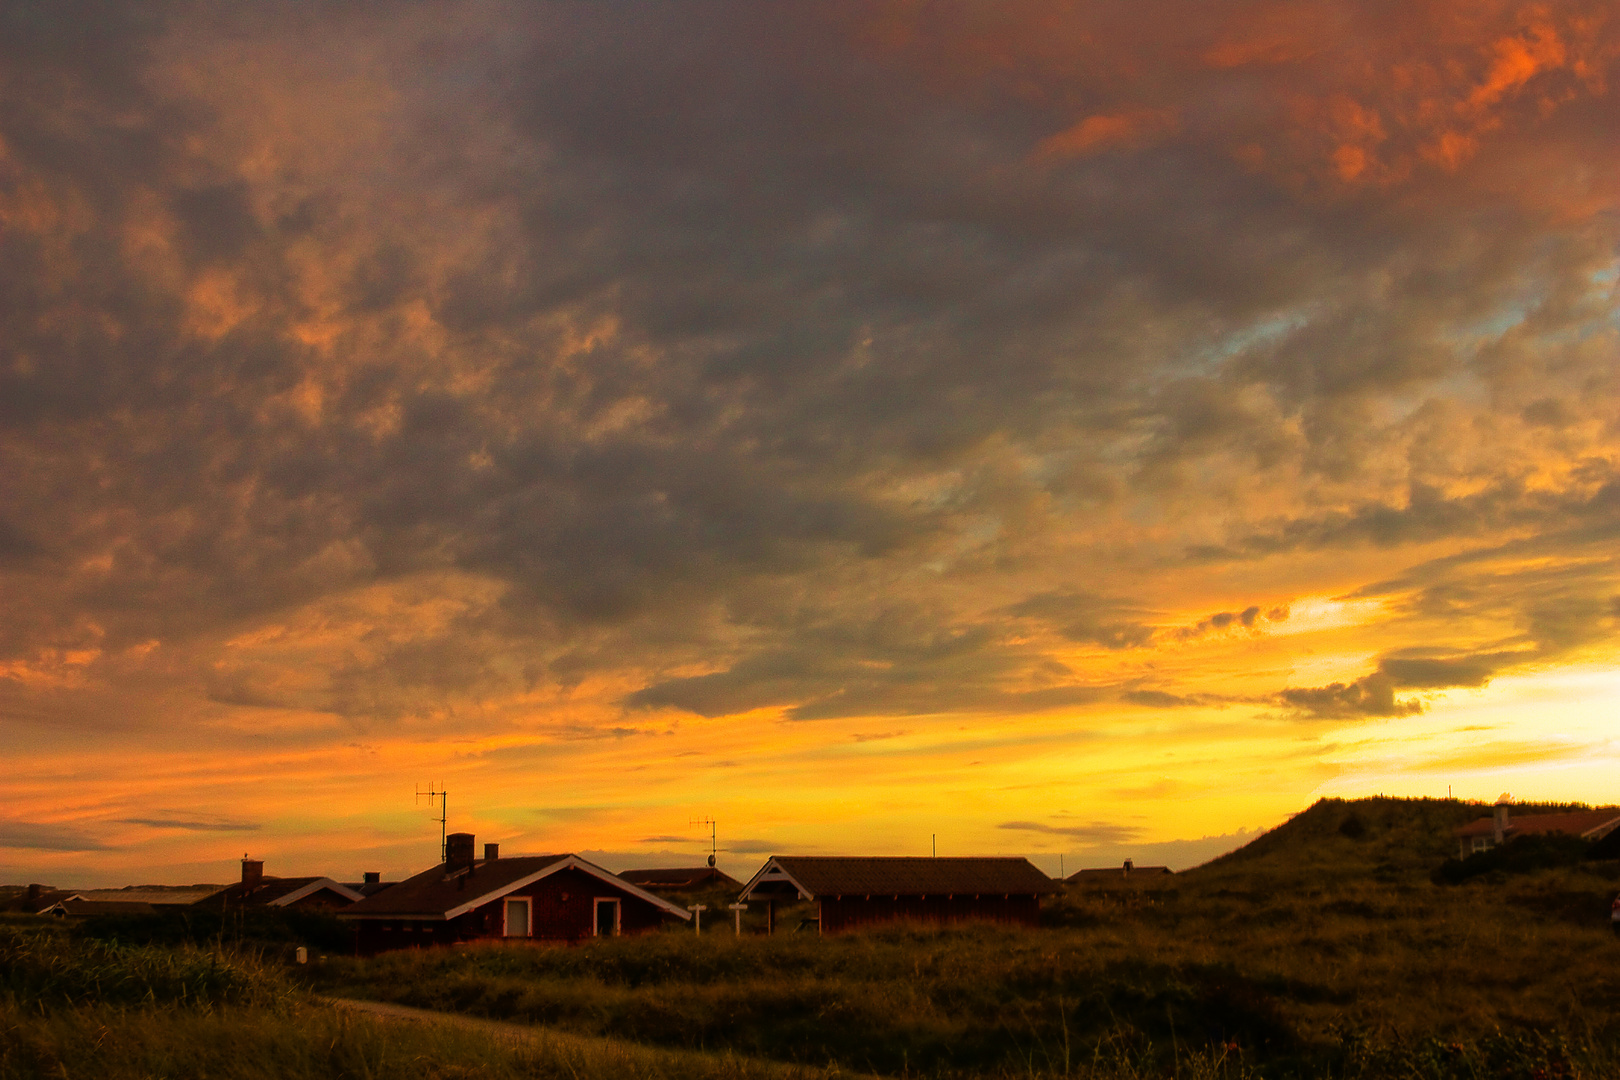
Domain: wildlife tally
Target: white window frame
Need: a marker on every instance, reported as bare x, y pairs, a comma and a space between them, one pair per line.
506, 916
596, 918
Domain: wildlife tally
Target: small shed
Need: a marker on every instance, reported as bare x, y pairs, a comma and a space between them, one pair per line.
855, 891
558, 898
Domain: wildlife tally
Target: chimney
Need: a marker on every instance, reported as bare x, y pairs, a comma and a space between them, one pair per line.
458, 852
373, 877
492, 852
34, 892
1503, 805
252, 872
1129, 866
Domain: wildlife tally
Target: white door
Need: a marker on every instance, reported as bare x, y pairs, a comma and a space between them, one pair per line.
517, 918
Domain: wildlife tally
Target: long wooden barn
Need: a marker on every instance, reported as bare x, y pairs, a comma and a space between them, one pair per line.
856, 891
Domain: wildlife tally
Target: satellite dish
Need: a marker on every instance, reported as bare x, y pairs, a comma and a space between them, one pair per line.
711, 862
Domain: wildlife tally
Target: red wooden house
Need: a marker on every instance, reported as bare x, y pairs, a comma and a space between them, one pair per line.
530, 897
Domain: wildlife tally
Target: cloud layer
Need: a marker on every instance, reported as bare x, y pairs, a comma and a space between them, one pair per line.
549, 372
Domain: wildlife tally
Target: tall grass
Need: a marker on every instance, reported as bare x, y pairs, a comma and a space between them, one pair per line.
48, 968
310, 1042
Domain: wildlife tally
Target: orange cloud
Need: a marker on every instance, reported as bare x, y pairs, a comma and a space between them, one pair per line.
1131, 127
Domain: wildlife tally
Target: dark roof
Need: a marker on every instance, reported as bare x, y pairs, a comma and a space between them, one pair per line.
44, 897
369, 888
277, 891
689, 877
817, 876
1117, 873
438, 893
75, 906
1578, 823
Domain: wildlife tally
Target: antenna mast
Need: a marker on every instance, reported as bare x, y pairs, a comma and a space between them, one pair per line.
714, 848
444, 814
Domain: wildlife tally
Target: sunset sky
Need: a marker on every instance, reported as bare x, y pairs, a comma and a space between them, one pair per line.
1076, 430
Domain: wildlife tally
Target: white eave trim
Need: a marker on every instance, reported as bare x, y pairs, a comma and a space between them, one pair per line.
314, 887
773, 871
1598, 832
572, 862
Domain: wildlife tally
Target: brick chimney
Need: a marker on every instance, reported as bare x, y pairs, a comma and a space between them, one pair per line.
492, 852
252, 872
373, 877
1503, 805
458, 851
1129, 866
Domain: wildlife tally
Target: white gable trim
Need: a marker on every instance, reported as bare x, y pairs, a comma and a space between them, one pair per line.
772, 872
314, 887
1598, 832
570, 862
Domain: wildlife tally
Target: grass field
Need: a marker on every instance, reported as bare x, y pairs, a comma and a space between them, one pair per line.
1324, 949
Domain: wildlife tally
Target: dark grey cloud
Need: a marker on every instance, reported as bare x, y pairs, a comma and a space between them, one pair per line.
1088, 618
36, 836
193, 826
724, 341
1096, 832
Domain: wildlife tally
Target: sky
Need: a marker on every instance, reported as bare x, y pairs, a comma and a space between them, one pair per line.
1081, 431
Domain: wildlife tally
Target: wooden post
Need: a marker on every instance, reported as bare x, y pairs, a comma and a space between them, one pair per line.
737, 910
770, 917
697, 911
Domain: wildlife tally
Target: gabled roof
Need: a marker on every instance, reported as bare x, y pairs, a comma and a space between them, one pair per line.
1592, 824
44, 899
688, 877
815, 877
438, 893
279, 891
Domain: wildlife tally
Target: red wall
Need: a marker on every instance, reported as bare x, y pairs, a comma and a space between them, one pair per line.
561, 909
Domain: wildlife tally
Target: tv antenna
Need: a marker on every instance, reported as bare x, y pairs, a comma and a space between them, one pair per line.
444, 813
714, 848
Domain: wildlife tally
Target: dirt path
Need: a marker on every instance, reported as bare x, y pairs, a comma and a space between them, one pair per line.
528, 1035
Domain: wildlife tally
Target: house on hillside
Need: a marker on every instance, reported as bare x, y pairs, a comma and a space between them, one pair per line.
559, 898
1113, 875
851, 892
304, 893
683, 880
1502, 826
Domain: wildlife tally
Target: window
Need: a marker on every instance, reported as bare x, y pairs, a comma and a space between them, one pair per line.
607, 917
517, 918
